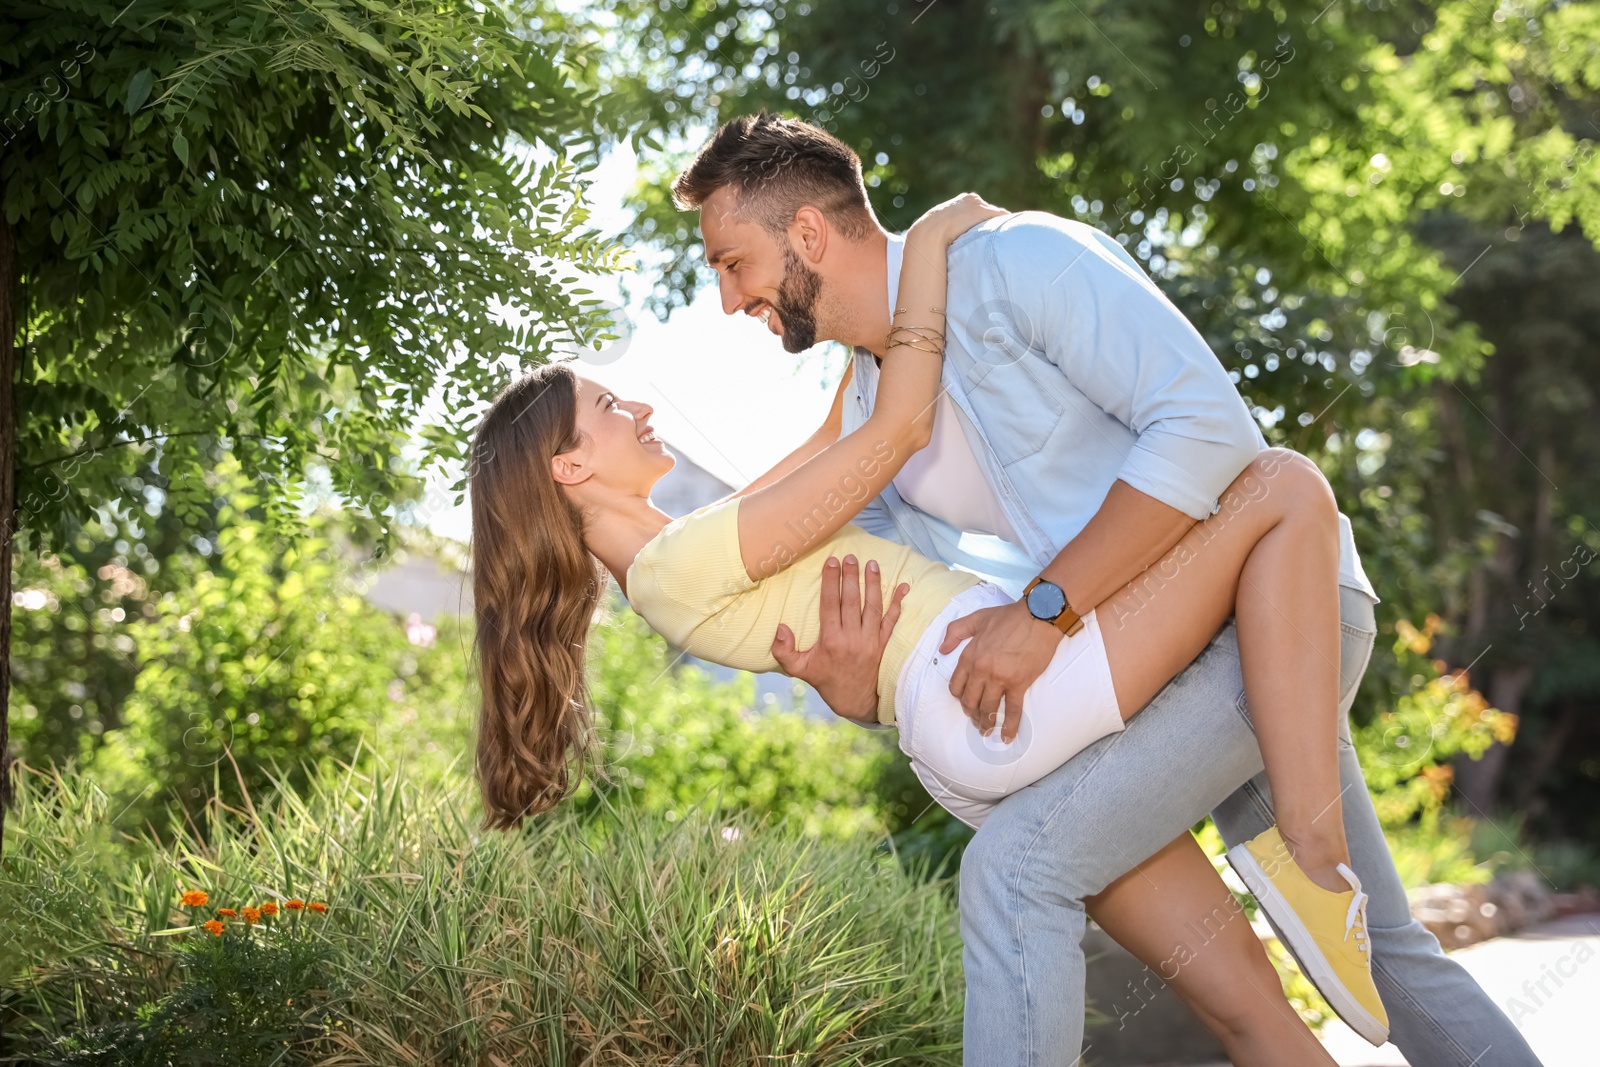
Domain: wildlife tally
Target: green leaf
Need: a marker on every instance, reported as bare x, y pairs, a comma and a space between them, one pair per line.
321, 285
139, 89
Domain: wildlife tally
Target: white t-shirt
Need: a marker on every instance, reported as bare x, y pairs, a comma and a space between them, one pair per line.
944, 478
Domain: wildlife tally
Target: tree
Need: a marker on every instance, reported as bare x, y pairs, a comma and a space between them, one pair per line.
1312, 186
1519, 123
276, 228
1219, 145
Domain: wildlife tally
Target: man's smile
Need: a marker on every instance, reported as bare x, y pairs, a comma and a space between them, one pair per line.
768, 314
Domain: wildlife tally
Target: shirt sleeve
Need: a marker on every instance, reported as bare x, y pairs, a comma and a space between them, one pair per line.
694, 564
1078, 297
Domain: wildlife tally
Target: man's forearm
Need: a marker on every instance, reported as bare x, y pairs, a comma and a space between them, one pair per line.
1131, 531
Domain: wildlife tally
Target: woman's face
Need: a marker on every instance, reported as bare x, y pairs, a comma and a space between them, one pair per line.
619, 449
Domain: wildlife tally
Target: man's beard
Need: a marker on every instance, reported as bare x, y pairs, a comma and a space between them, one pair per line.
797, 302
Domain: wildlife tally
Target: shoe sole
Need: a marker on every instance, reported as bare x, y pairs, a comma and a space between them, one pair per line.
1298, 940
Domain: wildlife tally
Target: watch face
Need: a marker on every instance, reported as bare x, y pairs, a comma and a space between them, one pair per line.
1046, 601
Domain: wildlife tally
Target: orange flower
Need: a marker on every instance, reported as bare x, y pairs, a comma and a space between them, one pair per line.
269, 908
252, 915
316, 905
1439, 779
227, 913
294, 903
1505, 727
214, 926
195, 898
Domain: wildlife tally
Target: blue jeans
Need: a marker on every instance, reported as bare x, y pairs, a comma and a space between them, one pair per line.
1189, 751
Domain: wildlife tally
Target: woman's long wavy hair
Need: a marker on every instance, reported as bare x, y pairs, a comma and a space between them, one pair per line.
535, 587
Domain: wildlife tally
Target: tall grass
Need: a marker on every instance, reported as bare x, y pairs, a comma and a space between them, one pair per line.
618, 938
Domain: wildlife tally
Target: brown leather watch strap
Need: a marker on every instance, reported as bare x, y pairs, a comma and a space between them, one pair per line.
1069, 622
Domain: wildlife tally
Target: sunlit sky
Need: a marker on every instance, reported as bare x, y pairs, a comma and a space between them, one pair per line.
725, 392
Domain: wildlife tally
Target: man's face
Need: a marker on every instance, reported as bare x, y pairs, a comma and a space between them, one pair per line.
759, 274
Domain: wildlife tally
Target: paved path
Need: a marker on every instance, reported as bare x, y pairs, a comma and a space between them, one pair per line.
1547, 979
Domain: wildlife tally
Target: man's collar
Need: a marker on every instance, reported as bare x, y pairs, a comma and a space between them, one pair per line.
896, 252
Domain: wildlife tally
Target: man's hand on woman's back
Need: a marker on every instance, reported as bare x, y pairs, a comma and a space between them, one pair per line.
843, 665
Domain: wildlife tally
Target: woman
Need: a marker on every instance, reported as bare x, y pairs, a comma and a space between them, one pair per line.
562, 476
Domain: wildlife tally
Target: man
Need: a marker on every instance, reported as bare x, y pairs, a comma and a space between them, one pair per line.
1085, 427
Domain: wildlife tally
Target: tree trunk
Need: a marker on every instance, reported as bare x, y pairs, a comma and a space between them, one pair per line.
1528, 799
8, 495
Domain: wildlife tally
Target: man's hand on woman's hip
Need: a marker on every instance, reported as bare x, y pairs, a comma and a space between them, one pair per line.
843, 665
1010, 649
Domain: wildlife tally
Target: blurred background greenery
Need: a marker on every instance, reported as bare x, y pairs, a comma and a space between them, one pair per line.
253, 252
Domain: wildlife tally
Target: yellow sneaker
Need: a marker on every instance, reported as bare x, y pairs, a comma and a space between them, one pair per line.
1326, 931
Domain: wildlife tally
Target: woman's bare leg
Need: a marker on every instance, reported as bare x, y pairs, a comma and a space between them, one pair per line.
1175, 914
1270, 558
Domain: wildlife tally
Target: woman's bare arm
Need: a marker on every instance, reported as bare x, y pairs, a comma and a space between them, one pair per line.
784, 520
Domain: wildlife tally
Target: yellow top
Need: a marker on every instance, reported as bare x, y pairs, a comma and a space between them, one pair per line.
689, 582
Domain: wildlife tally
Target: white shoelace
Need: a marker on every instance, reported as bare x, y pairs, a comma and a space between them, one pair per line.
1355, 920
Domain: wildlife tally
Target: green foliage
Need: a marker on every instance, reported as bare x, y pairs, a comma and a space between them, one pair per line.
1443, 851
1208, 141
284, 225
1566, 866
426, 731
243, 998
1491, 125
72, 661
675, 739
74, 614
1515, 139
660, 941
1463, 849
266, 656
1406, 750
262, 655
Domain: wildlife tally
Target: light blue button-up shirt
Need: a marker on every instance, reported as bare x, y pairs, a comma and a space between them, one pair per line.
1075, 371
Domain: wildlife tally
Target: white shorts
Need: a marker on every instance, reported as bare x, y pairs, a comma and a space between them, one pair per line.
1068, 708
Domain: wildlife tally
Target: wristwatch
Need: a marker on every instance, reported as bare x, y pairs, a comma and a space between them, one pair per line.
1047, 603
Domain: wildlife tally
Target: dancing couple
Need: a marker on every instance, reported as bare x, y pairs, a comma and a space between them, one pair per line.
1112, 609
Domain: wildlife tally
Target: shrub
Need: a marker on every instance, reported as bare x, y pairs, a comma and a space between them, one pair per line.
73, 658
251, 988
1406, 750
430, 705
674, 739
266, 654
620, 937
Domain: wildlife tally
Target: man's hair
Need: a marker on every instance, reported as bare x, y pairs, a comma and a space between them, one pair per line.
776, 166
